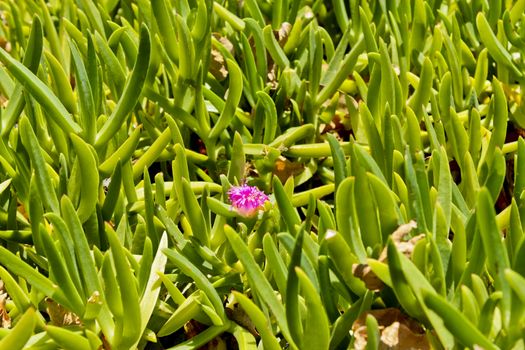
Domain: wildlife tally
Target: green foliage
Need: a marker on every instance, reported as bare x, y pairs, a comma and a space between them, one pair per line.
387, 135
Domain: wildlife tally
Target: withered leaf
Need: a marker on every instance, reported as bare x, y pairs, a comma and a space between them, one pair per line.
283, 168
365, 273
4, 44
283, 33
237, 314
403, 242
59, 315
397, 330
217, 65
5, 319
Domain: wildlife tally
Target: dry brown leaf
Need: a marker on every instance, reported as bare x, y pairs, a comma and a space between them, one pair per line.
399, 336
365, 273
404, 246
59, 315
403, 242
283, 168
402, 231
4, 44
283, 33
272, 76
225, 42
218, 63
397, 331
5, 319
237, 314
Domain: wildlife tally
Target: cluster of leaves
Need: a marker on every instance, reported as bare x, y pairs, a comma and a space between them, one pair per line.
387, 134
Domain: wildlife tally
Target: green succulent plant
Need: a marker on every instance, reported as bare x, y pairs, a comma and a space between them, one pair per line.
261, 174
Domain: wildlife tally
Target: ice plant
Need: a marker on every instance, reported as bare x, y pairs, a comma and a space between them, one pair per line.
247, 200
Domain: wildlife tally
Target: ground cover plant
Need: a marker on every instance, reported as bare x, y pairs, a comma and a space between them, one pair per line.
303, 174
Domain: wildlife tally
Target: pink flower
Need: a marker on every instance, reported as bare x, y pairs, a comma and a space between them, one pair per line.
247, 200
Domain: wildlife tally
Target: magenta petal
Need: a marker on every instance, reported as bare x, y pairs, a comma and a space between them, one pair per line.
247, 200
